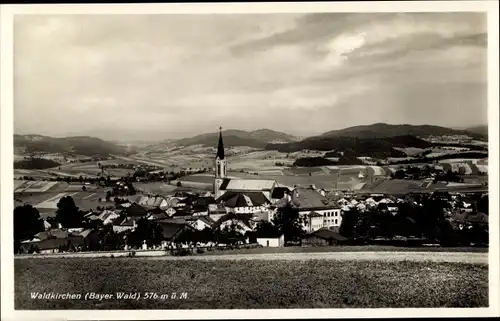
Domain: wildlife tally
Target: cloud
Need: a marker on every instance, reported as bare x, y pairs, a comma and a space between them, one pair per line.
157, 76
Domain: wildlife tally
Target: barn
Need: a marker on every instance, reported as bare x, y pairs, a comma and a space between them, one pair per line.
323, 237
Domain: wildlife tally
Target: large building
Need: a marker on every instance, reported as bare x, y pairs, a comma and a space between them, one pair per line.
247, 195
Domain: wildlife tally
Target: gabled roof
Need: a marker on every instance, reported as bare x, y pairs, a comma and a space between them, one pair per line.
279, 192
247, 184
207, 220
55, 233
326, 234
49, 244
171, 229
135, 210
307, 198
106, 214
246, 199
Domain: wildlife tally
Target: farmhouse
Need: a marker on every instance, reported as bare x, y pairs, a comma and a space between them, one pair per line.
323, 237
202, 222
171, 229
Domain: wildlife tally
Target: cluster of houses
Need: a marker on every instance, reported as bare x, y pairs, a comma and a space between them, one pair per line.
320, 212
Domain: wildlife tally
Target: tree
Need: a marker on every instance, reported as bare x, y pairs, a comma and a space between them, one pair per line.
27, 222
287, 221
179, 184
148, 231
349, 223
68, 213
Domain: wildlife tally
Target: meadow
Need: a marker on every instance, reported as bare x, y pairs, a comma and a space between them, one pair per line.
251, 284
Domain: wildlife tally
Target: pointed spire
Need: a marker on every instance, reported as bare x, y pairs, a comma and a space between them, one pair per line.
220, 147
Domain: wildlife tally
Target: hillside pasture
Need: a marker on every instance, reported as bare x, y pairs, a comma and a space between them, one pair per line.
154, 188
252, 284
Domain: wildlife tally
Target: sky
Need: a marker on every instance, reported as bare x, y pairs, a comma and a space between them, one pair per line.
154, 77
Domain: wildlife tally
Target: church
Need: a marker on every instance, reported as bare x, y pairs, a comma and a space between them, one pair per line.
240, 195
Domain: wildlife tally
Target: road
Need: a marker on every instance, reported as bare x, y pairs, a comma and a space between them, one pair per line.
454, 257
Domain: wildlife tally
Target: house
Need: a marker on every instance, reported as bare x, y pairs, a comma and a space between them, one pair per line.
249, 202
323, 237
276, 241
127, 224
202, 222
171, 229
153, 202
135, 210
107, 217
53, 245
216, 211
308, 200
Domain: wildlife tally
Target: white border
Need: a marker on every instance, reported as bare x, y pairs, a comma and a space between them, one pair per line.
6, 186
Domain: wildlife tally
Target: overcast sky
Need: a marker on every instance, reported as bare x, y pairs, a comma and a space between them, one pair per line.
168, 76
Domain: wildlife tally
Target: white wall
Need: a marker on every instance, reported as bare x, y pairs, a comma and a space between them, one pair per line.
331, 218
273, 242
246, 210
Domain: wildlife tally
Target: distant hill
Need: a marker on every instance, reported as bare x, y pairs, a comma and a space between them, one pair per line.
482, 130
233, 137
79, 145
369, 147
382, 130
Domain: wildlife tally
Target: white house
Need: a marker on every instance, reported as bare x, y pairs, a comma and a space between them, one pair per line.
202, 222
272, 241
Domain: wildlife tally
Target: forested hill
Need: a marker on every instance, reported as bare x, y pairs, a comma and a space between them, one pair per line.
80, 145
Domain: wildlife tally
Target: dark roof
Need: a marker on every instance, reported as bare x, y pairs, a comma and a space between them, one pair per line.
170, 229
279, 192
236, 199
224, 184
310, 199
204, 201
135, 210
52, 234
220, 147
326, 234
207, 220
55, 243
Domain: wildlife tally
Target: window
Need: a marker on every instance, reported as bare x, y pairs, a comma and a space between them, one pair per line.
336, 221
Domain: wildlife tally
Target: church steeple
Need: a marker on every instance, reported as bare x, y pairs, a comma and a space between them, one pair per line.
220, 166
220, 147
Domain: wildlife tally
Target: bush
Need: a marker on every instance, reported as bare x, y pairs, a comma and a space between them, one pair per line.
200, 250
180, 252
131, 254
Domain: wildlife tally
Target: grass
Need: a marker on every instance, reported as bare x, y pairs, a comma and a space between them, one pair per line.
251, 284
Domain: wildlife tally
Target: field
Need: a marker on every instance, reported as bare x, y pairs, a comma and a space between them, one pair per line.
46, 202
251, 284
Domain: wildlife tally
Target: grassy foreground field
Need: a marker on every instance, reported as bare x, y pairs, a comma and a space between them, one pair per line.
250, 284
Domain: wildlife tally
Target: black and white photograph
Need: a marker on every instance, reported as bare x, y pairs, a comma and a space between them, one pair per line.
313, 159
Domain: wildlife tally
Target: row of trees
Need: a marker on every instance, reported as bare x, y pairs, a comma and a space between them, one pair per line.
427, 221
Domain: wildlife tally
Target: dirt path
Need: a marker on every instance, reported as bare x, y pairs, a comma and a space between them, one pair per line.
459, 257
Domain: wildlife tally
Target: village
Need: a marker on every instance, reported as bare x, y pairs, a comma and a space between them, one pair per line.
244, 213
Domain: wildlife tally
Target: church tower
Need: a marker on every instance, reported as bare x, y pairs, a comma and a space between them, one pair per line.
220, 166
